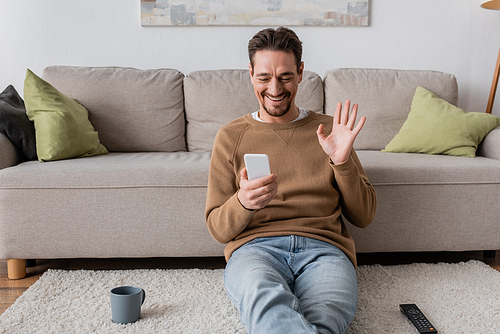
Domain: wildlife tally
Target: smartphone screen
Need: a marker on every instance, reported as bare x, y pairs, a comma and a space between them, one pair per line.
257, 165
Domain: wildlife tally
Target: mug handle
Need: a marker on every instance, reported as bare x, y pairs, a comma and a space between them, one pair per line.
143, 296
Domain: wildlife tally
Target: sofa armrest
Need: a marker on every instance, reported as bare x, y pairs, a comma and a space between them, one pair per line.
10, 155
490, 147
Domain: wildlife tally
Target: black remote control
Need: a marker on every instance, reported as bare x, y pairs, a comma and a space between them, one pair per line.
417, 318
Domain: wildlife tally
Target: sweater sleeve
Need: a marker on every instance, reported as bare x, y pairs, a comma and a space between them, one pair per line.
358, 199
225, 216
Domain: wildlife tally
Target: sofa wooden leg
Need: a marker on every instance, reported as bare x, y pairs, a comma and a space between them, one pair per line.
16, 268
489, 253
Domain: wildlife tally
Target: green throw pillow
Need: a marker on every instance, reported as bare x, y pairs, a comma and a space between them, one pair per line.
435, 126
62, 126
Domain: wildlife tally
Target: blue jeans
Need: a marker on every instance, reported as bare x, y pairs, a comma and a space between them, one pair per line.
292, 285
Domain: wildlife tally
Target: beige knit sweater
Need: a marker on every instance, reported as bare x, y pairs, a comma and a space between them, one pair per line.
312, 192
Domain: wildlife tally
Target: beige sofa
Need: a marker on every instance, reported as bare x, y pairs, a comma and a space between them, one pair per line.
147, 197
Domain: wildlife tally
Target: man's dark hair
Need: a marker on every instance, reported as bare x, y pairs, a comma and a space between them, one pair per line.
281, 39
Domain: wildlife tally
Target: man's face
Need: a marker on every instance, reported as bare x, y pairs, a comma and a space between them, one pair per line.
276, 81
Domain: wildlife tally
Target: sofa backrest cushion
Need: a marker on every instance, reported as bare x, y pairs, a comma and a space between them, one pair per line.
214, 98
132, 110
384, 97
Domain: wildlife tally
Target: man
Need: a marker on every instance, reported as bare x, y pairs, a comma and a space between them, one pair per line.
291, 261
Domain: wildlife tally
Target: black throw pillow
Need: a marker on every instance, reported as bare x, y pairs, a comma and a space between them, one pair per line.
15, 124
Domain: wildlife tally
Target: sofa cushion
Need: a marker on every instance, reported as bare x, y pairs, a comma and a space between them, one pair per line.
133, 110
123, 170
384, 97
424, 169
62, 125
430, 203
217, 97
146, 204
435, 126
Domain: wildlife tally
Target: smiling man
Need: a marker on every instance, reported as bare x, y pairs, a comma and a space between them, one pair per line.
291, 261
276, 85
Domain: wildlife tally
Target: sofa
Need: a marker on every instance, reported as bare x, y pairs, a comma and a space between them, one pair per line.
146, 198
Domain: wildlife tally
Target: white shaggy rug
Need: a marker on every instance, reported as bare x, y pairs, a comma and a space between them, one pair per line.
457, 298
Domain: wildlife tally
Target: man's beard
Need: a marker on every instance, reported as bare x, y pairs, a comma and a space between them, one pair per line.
277, 112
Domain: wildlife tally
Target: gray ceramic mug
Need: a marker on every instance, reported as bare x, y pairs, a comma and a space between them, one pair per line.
126, 302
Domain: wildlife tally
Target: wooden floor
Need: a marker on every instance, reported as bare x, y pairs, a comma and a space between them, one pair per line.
10, 290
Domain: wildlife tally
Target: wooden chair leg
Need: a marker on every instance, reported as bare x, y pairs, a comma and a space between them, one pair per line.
16, 268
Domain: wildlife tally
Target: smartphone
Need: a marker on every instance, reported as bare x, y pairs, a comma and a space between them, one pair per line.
257, 165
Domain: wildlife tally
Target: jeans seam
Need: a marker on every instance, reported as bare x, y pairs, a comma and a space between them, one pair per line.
234, 301
227, 292
307, 324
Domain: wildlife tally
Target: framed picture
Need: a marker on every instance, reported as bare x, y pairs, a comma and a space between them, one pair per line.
254, 13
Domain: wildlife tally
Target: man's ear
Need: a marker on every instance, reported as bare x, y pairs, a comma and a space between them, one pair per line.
301, 71
250, 69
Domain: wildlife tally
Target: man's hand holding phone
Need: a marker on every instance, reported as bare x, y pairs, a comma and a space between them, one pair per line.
256, 194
